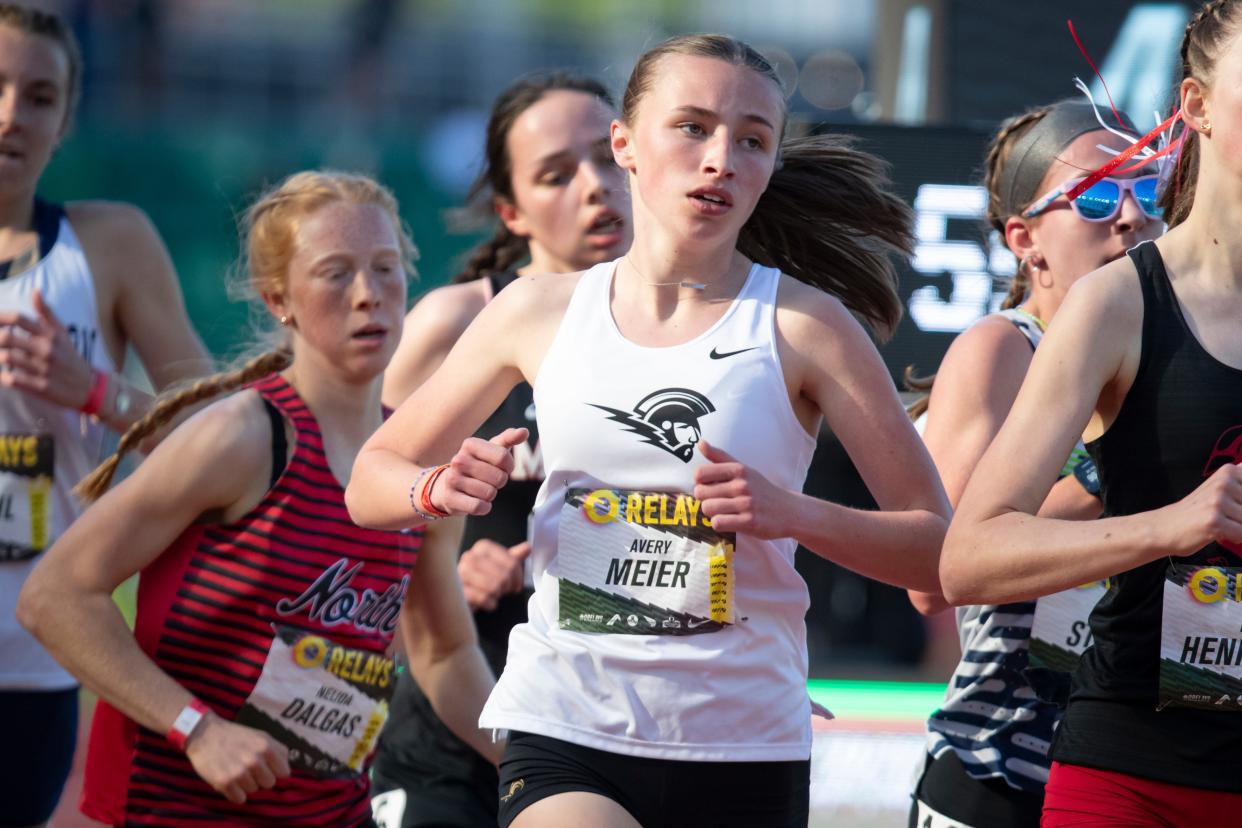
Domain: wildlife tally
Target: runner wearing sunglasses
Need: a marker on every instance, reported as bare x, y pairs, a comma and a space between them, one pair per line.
988, 743
1102, 200
1145, 362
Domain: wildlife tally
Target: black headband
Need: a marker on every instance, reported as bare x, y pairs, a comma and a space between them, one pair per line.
1036, 149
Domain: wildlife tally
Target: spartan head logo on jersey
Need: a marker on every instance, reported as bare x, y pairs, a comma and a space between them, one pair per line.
667, 419
1228, 449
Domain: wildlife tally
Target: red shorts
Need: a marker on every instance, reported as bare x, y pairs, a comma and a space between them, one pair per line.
1078, 797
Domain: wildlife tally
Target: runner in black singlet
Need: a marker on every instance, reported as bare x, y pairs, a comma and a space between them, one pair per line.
1145, 362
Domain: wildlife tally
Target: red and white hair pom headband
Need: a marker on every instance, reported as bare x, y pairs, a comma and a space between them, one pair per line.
1165, 155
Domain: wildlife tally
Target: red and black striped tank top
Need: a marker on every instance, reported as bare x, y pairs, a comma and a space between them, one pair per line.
281, 621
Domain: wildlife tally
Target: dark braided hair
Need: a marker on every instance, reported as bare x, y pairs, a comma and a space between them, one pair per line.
504, 249
1201, 45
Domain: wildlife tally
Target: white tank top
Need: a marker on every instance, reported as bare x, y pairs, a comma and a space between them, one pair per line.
649, 633
44, 449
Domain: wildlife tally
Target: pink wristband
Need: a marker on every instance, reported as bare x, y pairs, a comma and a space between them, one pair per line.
99, 390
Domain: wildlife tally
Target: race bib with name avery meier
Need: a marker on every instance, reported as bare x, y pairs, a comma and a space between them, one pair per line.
642, 563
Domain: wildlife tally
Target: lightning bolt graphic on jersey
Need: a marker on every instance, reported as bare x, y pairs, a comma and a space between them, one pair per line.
636, 425
667, 419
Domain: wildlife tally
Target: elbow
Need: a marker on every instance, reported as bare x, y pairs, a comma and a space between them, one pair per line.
356, 502
958, 580
33, 605
927, 603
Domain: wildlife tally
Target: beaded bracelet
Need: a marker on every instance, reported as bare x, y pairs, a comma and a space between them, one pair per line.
420, 502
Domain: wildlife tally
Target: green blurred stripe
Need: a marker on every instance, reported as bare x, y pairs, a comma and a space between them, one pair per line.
887, 700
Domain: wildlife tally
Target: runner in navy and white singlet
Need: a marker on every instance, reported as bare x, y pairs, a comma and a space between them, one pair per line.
1145, 362
79, 284
258, 677
677, 392
550, 178
988, 742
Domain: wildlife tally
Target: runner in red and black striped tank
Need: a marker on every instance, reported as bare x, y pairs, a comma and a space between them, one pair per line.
281, 621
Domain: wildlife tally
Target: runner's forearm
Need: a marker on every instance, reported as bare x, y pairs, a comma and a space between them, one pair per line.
457, 685
1017, 557
89, 637
899, 548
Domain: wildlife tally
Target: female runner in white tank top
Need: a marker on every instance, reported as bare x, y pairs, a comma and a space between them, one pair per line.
661, 677
78, 284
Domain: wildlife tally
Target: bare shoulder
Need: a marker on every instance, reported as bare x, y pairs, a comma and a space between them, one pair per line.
451, 307
542, 295
991, 346
232, 425
811, 321
1110, 298
110, 223
521, 323
121, 244
227, 446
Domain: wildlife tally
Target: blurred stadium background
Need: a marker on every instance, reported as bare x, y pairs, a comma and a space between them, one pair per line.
190, 107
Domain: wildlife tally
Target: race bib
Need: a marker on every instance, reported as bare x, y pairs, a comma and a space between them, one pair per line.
26, 473
1060, 633
325, 702
1201, 638
642, 563
929, 817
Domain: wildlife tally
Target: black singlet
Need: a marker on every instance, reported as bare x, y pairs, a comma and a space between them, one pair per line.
1159, 449
445, 781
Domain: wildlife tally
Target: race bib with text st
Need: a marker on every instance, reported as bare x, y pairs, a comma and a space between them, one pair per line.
1060, 633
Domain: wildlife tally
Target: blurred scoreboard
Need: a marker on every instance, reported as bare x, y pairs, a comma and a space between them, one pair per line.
960, 268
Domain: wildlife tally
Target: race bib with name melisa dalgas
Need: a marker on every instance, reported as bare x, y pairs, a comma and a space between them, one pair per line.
641, 563
325, 702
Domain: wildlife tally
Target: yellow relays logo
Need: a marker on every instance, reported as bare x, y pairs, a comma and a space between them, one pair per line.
1211, 584
604, 506
357, 666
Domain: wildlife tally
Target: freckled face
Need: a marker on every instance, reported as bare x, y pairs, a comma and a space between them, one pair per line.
346, 288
